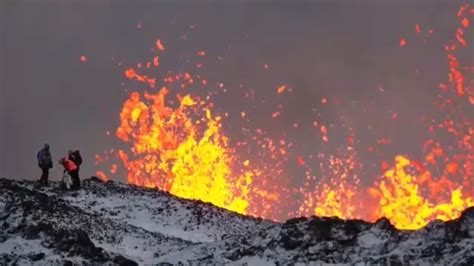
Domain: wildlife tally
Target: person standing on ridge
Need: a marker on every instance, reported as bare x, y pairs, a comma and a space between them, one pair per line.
72, 170
75, 156
45, 163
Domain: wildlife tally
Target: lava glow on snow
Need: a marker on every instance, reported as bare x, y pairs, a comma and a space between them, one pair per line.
175, 141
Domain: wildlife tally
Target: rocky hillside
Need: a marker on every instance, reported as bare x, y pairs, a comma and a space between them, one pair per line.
123, 224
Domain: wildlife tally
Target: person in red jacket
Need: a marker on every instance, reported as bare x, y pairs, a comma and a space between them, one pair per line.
72, 170
75, 156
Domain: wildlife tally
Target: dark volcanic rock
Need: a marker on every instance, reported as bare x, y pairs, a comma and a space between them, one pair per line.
36, 257
116, 224
95, 179
120, 260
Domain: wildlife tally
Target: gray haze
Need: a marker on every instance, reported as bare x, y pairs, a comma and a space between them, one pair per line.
344, 49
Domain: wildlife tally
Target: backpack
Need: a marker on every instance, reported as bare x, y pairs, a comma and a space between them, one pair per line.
39, 156
77, 158
44, 159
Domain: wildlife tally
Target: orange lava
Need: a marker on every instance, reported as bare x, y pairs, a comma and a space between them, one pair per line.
175, 142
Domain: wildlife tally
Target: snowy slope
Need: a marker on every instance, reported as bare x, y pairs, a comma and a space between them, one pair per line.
123, 224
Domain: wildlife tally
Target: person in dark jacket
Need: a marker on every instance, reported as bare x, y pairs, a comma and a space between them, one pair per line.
73, 171
75, 156
45, 163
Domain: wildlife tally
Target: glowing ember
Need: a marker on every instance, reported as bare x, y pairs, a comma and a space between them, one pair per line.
281, 89
102, 175
300, 160
159, 45
403, 42
156, 61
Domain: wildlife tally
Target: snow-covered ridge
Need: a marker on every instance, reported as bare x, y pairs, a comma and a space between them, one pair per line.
123, 224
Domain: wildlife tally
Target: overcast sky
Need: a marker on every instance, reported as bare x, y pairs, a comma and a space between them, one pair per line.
321, 49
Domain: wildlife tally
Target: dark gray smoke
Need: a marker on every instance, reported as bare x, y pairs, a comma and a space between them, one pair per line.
333, 49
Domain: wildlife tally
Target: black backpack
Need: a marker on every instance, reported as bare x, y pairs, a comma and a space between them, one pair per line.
77, 157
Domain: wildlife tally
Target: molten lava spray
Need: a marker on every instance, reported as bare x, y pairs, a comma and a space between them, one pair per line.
171, 152
174, 140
